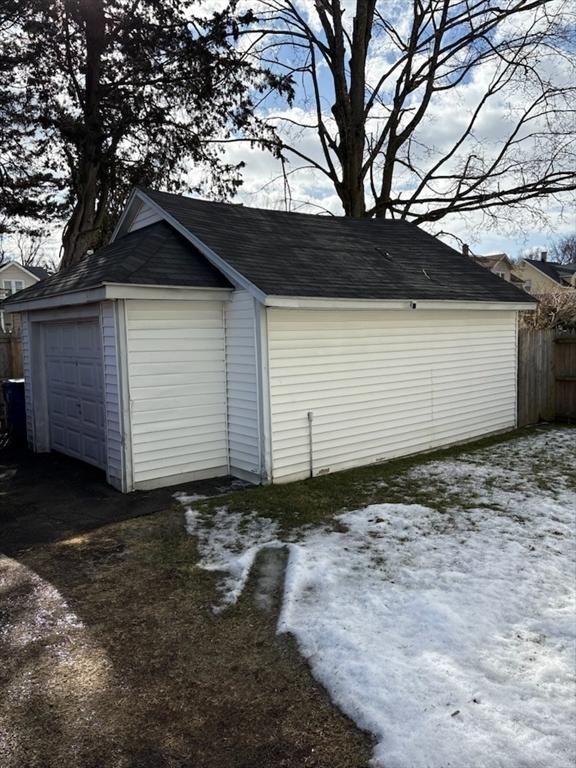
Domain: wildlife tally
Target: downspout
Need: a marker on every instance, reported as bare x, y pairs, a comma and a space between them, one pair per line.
311, 442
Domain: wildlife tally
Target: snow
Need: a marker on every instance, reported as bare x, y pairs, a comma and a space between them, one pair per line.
188, 498
230, 544
447, 630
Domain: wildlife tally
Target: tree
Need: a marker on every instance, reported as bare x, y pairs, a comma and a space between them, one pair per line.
101, 95
404, 99
564, 250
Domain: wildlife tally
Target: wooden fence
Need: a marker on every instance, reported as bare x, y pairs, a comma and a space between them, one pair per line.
10, 356
546, 376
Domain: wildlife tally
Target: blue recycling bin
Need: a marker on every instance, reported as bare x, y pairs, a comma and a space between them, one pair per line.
13, 390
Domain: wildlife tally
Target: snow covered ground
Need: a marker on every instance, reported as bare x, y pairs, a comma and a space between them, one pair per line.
446, 630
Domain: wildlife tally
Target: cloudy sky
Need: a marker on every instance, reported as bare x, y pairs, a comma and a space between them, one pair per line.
446, 118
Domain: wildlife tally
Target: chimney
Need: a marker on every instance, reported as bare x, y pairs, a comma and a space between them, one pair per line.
465, 249
544, 256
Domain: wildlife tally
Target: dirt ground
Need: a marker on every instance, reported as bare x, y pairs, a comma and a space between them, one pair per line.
111, 657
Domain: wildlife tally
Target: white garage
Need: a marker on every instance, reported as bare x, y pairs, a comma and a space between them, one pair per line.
211, 339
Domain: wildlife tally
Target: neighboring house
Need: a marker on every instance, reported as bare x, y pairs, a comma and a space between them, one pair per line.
13, 278
209, 339
542, 276
498, 263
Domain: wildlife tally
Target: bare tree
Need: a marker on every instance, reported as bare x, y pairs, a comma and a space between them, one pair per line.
403, 99
564, 250
30, 249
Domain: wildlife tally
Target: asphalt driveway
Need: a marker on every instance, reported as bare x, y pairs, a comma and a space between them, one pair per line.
47, 497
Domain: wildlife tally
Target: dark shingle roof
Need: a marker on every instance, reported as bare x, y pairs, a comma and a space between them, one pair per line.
153, 255
560, 273
38, 272
294, 254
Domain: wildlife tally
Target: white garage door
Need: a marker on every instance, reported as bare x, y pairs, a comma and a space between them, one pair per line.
75, 390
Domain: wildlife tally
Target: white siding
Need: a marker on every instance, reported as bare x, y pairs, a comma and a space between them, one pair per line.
382, 384
177, 384
145, 216
27, 371
111, 396
242, 386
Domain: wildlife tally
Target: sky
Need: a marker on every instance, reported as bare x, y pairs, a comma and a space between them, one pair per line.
514, 232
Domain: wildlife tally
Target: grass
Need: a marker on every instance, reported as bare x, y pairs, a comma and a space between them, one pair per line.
317, 500
146, 676
150, 677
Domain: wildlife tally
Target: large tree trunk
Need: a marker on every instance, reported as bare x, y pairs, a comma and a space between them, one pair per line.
82, 230
349, 105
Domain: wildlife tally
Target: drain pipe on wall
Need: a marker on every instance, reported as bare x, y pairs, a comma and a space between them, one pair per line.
311, 442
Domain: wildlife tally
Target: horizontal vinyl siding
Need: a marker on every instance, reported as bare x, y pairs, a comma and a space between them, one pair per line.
111, 395
242, 384
145, 216
382, 384
177, 382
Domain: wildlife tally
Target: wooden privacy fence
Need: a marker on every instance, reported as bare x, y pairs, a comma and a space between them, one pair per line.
10, 356
565, 372
546, 376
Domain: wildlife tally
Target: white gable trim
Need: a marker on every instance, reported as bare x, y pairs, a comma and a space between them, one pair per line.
110, 291
16, 264
134, 205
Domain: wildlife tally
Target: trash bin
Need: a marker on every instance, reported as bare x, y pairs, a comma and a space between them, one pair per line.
13, 390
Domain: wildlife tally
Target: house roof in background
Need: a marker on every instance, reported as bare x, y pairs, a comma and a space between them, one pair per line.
560, 273
38, 272
153, 255
304, 255
489, 261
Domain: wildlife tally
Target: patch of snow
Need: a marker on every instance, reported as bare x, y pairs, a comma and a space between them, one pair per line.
450, 632
188, 498
230, 545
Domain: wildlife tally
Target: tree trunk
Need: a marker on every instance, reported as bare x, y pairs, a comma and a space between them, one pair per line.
82, 230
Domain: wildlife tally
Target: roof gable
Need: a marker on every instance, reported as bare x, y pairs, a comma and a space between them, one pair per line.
38, 273
303, 255
559, 273
155, 255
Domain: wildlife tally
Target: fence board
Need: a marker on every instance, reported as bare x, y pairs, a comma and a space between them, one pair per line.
536, 380
565, 365
10, 356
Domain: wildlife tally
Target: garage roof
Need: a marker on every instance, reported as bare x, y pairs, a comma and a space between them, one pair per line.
153, 255
281, 254
298, 254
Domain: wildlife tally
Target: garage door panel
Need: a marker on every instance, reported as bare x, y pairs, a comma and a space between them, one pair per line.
75, 390
91, 414
89, 376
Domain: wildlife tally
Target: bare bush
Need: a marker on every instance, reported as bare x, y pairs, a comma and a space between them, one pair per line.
555, 310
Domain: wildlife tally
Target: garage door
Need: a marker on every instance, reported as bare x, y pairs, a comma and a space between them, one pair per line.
75, 390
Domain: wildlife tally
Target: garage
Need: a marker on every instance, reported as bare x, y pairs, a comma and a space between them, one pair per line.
75, 394
209, 339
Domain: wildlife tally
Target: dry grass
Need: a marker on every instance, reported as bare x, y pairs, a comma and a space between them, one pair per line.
113, 658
